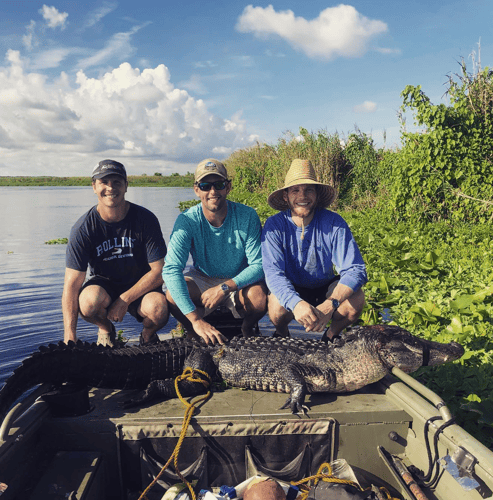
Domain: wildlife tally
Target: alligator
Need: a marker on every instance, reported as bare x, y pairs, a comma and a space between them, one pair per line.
359, 357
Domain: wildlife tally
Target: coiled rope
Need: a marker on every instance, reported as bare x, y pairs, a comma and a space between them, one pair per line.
190, 375
328, 477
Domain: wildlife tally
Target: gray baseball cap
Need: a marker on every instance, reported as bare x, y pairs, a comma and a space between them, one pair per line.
109, 167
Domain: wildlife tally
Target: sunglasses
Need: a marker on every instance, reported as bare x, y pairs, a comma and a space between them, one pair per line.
207, 186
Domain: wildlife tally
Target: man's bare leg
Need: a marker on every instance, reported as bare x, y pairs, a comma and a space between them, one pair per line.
279, 316
154, 310
195, 295
254, 302
346, 315
93, 304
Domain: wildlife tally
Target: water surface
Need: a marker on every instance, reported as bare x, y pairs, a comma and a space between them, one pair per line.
31, 272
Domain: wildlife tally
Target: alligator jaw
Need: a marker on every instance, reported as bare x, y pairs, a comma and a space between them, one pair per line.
438, 354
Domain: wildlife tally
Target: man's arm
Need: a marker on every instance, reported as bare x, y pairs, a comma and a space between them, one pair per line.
315, 319
204, 329
176, 259
274, 264
253, 273
151, 280
70, 302
350, 265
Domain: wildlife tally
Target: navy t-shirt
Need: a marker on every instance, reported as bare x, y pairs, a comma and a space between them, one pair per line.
118, 251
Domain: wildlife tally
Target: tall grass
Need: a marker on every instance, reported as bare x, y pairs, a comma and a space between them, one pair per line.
262, 168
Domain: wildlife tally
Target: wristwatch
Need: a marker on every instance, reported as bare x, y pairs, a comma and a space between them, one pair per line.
225, 288
335, 304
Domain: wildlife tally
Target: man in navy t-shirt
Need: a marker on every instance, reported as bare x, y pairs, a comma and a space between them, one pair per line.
123, 246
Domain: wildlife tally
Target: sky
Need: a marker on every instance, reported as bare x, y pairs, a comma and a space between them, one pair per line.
161, 85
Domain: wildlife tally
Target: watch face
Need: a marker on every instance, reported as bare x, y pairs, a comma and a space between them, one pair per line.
335, 303
225, 288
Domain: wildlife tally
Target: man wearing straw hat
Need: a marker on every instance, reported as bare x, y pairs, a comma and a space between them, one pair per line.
301, 246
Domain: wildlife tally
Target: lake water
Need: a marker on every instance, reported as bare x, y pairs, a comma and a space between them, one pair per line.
31, 272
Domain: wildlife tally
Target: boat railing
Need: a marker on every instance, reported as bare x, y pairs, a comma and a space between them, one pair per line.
431, 396
21, 407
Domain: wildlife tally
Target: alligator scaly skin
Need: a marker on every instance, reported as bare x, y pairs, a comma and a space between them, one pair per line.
360, 357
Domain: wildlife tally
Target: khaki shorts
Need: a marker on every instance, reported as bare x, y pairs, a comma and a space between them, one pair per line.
205, 282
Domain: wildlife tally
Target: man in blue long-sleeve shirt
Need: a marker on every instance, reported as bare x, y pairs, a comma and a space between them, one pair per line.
223, 238
301, 246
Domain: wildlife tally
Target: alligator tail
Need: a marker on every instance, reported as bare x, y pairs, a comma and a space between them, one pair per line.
95, 366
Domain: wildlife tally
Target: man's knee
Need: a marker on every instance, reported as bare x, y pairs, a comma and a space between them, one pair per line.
193, 293
277, 313
255, 298
154, 306
354, 306
92, 300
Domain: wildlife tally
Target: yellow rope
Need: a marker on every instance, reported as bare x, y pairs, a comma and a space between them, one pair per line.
190, 375
387, 494
329, 478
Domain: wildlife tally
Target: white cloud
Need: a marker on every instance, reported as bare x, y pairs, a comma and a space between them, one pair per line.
53, 17
118, 45
269, 53
97, 14
205, 64
51, 58
366, 107
195, 84
388, 51
244, 61
337, 32
57, 127
29, 39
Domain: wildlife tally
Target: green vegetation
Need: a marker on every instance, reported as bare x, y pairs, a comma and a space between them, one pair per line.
58, 241
156, 180
445, 173
422, 218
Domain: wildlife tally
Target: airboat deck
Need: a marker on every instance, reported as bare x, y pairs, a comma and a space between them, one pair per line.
110, 453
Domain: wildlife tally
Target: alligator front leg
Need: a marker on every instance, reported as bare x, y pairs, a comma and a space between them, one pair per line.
293, 376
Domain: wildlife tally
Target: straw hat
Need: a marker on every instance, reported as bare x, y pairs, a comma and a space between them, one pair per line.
301, 172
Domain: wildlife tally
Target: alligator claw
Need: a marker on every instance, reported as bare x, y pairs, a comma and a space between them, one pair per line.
295, 406
301, 410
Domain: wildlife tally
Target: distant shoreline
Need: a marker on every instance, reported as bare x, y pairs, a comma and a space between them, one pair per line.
174, 180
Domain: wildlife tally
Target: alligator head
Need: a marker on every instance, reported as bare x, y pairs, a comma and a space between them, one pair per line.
396, 347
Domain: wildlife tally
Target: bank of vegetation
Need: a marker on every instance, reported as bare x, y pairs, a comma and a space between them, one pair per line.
422, 216
144, 180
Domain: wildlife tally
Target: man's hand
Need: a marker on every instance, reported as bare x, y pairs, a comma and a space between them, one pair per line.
212, 297
207, 332
117, 310
313, 319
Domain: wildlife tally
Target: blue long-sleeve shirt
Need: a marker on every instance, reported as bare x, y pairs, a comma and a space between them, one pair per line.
231, 251
288, 260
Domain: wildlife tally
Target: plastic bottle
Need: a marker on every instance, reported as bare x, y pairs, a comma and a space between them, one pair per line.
342, 470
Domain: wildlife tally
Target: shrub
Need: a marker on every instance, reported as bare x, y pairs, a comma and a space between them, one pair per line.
446, 171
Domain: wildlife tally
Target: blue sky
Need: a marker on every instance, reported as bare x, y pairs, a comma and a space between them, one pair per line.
162, 85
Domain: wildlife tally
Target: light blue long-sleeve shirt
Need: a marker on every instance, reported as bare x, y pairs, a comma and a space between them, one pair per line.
231, 251
288, 260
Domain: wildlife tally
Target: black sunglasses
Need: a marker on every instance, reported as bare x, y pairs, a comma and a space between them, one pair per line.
207, 186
